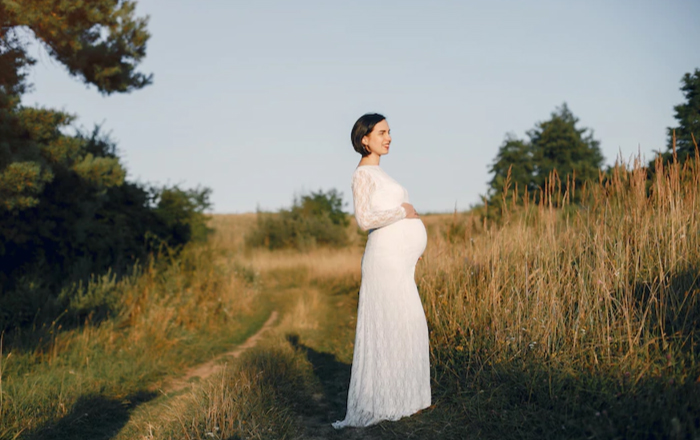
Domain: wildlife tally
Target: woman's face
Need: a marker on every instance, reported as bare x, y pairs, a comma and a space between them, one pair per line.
379, 139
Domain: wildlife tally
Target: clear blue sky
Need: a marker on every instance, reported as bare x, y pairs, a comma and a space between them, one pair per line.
256, 99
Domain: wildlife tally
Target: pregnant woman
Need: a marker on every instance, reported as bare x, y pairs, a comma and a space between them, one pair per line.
390, 376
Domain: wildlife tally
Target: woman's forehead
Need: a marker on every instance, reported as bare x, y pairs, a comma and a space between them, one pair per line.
381, 125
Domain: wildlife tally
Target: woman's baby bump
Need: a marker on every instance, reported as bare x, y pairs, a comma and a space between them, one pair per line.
414, 235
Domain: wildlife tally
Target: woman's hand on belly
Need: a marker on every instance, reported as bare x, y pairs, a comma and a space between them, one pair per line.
410, 210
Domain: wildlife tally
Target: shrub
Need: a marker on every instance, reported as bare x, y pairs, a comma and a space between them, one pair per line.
316, 219
78, 226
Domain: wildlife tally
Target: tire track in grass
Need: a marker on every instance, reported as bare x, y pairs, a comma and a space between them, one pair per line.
211, 367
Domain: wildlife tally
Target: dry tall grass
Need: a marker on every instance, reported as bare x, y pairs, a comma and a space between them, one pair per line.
611, 285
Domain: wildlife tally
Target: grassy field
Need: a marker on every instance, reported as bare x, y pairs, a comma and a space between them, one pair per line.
559, 321
81, 379
580, 322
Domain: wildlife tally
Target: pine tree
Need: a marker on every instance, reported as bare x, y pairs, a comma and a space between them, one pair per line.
687, 114
514, 159
98, 41
556, 144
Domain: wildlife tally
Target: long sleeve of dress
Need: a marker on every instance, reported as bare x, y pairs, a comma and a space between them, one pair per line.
362, 187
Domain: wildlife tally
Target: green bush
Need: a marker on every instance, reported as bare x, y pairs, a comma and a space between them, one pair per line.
78, 226
182, 214
316, 219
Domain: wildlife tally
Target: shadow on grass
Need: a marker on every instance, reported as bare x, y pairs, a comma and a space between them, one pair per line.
92, 417
523, 399
679, 302
530, 400
334, 377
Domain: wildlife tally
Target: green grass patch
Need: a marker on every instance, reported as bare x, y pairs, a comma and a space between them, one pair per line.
93, 375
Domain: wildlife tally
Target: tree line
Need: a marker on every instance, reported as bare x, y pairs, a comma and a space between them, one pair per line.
558, 145
67, 210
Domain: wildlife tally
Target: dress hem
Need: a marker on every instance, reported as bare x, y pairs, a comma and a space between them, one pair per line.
340, 424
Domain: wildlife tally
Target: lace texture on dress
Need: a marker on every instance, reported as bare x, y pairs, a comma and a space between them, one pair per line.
363, 186
390, 373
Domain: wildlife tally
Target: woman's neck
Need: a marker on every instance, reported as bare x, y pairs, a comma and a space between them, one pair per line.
372, 159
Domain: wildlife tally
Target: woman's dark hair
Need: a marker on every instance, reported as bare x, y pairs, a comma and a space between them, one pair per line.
362, 128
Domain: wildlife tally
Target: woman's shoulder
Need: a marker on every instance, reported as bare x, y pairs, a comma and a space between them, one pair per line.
366, 170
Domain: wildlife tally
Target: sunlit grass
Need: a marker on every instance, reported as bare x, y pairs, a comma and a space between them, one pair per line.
166, 317
601, 297
613, 283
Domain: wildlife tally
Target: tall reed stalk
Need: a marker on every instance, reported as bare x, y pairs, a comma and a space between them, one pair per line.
610, 283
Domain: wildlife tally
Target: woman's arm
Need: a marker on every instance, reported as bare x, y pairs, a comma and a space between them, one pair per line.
362, 188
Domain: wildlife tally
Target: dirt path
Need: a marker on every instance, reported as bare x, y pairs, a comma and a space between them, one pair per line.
207, 369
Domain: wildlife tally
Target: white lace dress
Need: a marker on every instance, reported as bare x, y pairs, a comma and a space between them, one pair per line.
390, 376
